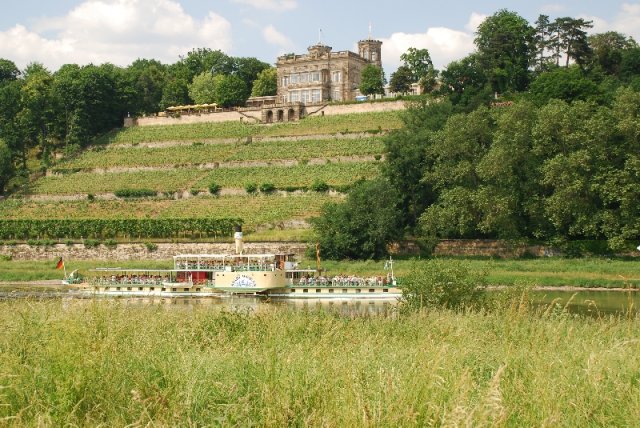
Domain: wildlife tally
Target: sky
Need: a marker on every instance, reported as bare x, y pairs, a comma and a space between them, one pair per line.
57, 32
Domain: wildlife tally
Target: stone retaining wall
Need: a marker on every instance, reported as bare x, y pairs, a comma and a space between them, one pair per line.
139, 251
252, 115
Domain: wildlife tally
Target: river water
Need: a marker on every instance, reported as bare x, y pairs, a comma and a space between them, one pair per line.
583, 302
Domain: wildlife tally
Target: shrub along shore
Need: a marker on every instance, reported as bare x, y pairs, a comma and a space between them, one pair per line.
103, 362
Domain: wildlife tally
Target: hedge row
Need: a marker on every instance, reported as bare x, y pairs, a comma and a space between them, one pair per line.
109, 228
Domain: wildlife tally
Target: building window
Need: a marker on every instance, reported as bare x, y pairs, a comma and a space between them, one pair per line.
294, 79
315, 76
304, 77
305, 97
285, 81
294, 96
374, 56
336, 76
337, 95
316, 96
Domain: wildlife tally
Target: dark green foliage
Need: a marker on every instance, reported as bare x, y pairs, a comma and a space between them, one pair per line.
439, 284
251, 188
266, 83
319, 186
372, 80
567, 84
231, 91
214, 188
267, 188
98, 228
363, 226
505, 43
561, 172
401, 80
135, 193
6, 165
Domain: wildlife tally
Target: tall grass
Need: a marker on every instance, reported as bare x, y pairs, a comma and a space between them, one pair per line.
111, 364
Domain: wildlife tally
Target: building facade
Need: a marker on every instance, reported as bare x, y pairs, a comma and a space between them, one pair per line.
322, 75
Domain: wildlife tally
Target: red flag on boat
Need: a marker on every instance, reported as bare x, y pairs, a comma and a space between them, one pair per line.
60, 264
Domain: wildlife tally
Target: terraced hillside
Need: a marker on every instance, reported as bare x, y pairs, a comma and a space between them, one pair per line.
293, 164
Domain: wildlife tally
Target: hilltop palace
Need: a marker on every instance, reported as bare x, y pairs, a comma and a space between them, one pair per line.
318, 76
305, 85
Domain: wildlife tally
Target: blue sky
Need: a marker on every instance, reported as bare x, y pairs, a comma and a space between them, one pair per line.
119, 31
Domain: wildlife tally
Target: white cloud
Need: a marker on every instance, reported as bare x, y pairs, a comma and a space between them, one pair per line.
627, 20
444, 45
552, 9
474, 21
116, 31
279, 5
274, 37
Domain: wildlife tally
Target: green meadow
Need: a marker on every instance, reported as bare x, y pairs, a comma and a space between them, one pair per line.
107, 363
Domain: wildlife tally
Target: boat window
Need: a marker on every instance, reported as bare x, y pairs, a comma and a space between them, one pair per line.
345, 291
358, 290
318, 290
306, 290
331, 290
198, 289
152, 289
371, 290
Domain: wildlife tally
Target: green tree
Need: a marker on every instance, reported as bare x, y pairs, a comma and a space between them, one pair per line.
148, 78
569, 37
465, 83
608, 49
248, 69
443, 284
372, 81
202, 60
419, 63
6, 165
568, 84
406, 156
506, 46
203, 89
8, 71
231, 91
266, 84
363, 226
401, 80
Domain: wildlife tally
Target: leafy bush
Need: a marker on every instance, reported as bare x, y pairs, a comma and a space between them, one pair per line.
267, 188
251, 188
151, 247
91, 243
214, 188
438, 284
111, 243
91, 197
135, 193
319, 186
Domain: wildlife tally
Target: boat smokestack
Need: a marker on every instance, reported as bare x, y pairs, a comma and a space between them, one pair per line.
237, 235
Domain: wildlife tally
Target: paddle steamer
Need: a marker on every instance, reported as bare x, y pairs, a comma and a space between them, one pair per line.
274, 275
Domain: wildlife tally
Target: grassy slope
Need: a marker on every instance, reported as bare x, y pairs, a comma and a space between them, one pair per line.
185, 176
314, 125
100, 362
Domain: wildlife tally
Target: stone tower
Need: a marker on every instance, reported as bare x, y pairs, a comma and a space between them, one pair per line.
371, 50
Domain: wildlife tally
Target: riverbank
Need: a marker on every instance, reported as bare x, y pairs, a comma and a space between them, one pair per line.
591, 273
104, 363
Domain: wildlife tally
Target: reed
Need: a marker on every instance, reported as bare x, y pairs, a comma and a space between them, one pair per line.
109, 363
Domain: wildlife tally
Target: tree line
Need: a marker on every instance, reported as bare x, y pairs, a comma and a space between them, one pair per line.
535, 135
44, 112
